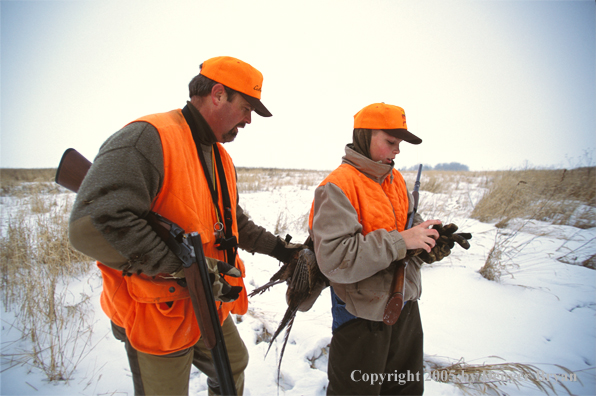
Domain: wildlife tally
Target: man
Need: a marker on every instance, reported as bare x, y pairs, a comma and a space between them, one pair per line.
357, 223
174, 164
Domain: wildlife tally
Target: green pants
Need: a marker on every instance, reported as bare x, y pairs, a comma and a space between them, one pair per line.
372, 358
170, 374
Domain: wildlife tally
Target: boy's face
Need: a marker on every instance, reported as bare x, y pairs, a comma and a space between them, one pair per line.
383, 147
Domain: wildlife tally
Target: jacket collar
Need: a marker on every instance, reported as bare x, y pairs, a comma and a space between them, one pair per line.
205, 135
373, 170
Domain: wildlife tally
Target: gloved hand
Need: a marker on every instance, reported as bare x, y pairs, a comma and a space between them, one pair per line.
437, 253
222, 290
446, 241
448, 236
286, 251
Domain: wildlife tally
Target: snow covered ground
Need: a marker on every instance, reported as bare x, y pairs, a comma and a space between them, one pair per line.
542, 313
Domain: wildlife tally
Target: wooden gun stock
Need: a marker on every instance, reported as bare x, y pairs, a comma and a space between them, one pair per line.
72, 170
396, 298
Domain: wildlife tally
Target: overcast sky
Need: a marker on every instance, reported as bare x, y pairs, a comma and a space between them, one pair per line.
489, 84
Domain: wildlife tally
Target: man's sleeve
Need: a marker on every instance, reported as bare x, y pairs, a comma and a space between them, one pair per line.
107, 221
253, 238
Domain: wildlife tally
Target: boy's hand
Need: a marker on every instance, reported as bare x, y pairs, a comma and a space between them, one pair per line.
447, 240
421, 236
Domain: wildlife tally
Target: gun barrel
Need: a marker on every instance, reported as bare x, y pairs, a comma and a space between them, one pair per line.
197, 278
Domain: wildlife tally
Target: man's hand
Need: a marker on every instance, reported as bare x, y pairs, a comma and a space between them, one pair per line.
420, 236
285, 251
222, 290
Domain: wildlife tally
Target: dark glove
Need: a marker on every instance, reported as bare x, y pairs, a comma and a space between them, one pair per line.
222, 290
285, 251
437, 253
448, 236
446, 241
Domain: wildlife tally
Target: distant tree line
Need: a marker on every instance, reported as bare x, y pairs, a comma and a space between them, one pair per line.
451, 166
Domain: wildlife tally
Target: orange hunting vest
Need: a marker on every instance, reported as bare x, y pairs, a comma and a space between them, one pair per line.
137, 302
378, 205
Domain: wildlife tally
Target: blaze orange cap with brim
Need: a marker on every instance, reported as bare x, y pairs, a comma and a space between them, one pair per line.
388, 118
240, 76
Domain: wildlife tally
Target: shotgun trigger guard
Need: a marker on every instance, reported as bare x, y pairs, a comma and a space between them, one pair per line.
182, 250
177, 242
186, 254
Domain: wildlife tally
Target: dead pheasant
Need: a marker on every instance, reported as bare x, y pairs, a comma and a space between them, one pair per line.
305, 282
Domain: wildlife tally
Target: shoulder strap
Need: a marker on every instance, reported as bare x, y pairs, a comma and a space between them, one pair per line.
230, 242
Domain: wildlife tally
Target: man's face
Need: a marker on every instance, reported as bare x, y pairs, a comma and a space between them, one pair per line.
232, 115
383, 147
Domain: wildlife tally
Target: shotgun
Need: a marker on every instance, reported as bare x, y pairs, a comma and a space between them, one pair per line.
396, 298
188, 247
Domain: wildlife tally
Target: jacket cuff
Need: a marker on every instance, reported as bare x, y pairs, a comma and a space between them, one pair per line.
399, 245
267, 244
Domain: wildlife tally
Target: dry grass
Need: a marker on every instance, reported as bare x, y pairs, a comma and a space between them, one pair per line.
559, 197
555, 196
22, 182
27, 182
17, 175
487, 379
266, 179
281, 224
37, 265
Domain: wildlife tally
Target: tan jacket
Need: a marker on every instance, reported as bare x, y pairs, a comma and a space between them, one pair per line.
359, 266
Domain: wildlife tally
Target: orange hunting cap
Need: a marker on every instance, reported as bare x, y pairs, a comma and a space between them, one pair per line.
240, 76
388, 118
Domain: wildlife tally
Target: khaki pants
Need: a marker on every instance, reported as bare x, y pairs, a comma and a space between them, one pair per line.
170, 374
361, 350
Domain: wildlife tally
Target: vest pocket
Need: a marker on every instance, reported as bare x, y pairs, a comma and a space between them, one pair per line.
150, 290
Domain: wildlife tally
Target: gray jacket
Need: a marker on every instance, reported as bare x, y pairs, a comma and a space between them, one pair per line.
357, 266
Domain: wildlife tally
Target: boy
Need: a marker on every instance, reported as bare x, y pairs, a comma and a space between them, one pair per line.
357, 225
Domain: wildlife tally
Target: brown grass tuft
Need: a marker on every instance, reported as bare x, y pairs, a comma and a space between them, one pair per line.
475, 379
556, 196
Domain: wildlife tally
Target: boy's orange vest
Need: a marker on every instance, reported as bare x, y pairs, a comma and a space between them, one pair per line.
378, 205
137, 303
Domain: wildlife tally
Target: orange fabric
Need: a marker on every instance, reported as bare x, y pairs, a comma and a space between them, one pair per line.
378, 205
235, 74
137, 303
381, 116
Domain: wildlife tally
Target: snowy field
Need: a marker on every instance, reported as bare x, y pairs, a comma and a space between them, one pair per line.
542, 312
